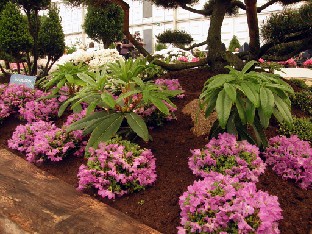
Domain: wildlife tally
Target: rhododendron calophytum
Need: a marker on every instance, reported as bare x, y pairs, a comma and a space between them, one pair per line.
220, 204
245, 100
117, 167
116, 108
291, 158
227, 156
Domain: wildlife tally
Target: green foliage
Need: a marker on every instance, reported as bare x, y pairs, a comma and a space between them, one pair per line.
119, 109
234, 43
34, 5
289, 30
303, 100
175, 37
104, 24
51, 37
66, 75
299, 83
246, 99
160, 46
70, 49
15, 39
301, 127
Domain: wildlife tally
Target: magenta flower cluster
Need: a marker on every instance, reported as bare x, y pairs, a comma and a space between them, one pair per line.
227, 156
170, 84
45, 109
18, 98
291, 158
308, 63
44, 141
222, 204
116, 168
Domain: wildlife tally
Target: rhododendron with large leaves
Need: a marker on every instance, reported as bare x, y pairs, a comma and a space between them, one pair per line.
221, 204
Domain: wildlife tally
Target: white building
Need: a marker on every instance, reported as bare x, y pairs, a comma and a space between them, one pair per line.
150, 20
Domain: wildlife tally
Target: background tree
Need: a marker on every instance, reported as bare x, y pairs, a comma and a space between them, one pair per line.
51, 40
234, 43
104, 24
176, 37
15, 39
31, 9
288, 33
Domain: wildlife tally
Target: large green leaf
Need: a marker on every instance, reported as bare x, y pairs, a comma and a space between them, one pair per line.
86, 78
250, 111
266, 101
248, 66
230, 91
284, 109
223, 108
138, 125
160, 105
106, 129
210, 102
218, 81
87, 121
250, 93
240, 104
108, 99
264, 119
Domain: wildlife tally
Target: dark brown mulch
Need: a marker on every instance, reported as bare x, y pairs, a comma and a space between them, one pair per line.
157, 206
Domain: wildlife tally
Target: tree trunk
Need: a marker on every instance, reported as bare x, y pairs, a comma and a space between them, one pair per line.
216, 52
252, 21
106, 44
35, 48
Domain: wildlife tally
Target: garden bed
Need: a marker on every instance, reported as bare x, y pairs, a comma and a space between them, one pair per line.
157, 206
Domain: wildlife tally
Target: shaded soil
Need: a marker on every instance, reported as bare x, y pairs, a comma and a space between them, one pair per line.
157, 206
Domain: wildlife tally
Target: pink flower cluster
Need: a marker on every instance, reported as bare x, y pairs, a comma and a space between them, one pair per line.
42, 141
155, 117
185, 59
227, 156
221, 204
45, 109
116, 168
291, 158
308, 63
170, 84
290, 62
18, 98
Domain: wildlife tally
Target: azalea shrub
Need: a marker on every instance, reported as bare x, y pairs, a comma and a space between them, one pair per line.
42, 141
220, 204
308, 63
291, 158
117, 167
227, 156
14, 97
170, 84
24, 100
45, 109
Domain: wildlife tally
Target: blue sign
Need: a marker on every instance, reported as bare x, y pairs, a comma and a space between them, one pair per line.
28, 81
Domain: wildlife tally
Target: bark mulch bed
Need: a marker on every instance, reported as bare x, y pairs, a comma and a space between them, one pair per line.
157, 206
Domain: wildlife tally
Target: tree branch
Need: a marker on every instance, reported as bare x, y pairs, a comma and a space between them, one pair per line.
304, 35
194, 45
239, 4
269, 3
201, 12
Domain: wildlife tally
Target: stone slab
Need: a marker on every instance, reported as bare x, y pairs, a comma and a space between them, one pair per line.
32, 201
